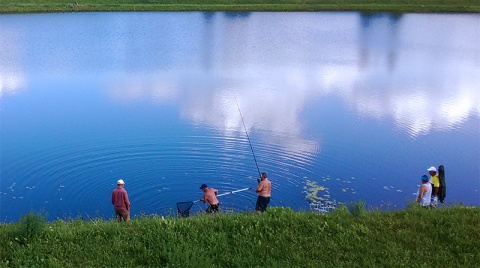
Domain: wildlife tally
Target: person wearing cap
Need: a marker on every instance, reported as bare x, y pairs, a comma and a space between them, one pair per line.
435, 181
210, 196
120, 202
264, 191
425, 192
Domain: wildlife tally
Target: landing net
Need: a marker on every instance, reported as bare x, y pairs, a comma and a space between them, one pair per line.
183, 209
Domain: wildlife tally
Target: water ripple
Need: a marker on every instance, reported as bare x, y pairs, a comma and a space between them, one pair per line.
77, 179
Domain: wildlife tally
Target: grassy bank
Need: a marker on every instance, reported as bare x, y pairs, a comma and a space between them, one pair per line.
31, 6
278, 238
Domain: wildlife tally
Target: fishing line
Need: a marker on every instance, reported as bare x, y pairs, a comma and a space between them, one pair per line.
251, 148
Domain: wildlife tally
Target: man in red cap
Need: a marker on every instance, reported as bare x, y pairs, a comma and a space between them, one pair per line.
120, 202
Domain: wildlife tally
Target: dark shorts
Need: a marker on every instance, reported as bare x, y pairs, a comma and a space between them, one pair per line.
212, 209
262, 203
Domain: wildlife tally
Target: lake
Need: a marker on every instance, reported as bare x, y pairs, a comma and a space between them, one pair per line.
342, 107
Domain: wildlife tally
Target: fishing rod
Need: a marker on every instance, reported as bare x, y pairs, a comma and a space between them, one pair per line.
251, 148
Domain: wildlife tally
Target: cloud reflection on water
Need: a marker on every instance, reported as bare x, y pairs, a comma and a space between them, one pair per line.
399, 67
399, 74
418, 71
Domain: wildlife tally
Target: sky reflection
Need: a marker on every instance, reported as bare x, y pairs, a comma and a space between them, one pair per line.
331, 99
383, 66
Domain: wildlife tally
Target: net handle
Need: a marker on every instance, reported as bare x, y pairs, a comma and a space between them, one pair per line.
227, 193
236, 191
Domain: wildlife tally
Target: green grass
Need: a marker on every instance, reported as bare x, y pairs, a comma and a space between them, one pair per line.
413, 237
31, 6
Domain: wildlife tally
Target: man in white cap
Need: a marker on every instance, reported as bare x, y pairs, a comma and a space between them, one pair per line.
120, 202
436, 185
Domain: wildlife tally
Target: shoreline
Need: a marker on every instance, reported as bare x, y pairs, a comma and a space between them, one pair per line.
388, 6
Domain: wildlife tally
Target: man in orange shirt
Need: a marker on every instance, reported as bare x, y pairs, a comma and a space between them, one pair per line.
264, 190
210, 196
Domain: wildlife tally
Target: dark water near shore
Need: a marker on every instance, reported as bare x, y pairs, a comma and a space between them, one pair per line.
343, 106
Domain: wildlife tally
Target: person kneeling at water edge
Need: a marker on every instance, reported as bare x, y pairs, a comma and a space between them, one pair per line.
210, 196
264, 190
120, 202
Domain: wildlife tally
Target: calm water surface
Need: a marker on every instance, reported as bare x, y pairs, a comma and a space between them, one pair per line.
341, 106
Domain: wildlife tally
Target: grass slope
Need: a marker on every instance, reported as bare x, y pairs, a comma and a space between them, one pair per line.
278, 238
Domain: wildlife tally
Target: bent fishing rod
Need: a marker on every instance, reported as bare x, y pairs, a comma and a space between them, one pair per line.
251, 148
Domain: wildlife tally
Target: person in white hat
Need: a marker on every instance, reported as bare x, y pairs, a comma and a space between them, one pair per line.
120, 202
436, 185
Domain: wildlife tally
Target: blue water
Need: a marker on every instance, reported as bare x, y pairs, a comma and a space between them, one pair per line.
358, 105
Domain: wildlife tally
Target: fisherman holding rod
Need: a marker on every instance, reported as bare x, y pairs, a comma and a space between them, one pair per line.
264, 188
264, 191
